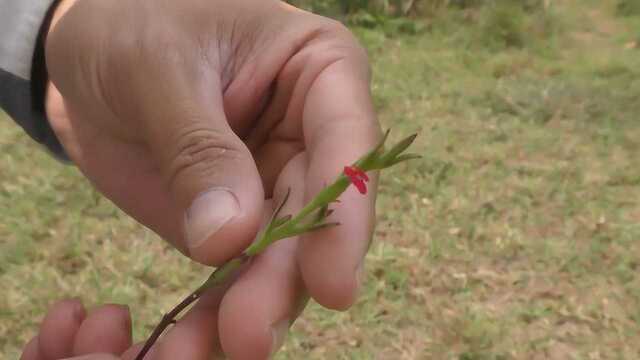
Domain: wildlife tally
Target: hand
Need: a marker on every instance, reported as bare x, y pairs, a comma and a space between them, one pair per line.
194, 117
67, 331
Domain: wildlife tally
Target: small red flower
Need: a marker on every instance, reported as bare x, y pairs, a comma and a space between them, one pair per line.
357, 177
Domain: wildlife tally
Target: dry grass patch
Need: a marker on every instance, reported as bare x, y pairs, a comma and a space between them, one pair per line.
516, 236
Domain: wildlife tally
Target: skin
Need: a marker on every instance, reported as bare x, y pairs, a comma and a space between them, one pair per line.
157, 102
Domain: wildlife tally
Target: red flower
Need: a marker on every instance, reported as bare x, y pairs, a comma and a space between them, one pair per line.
357, 177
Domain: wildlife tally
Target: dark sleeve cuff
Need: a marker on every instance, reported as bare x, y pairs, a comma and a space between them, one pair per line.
17, 101
23, 92
38, 89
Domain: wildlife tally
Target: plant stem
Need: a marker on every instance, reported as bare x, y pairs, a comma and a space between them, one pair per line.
266, 238
167, 319
284, 227
218, 277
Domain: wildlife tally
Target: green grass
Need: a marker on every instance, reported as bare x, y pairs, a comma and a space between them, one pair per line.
628, 8
516, 236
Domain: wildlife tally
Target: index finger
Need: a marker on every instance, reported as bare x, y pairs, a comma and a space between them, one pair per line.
340, 126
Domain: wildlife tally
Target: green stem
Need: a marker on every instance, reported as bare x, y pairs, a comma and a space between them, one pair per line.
221, 274
326, 196
281, 228
218, 277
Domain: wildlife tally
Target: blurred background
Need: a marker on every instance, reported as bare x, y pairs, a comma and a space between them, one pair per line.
515, 237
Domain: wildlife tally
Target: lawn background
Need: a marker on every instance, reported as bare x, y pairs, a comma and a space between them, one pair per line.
515, 237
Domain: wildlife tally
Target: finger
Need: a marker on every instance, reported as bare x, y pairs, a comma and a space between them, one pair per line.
106, 330
133, 352
258, 309
94, 357
59, 328
31, 351
208, 170
171, 102
339, 127
195, 336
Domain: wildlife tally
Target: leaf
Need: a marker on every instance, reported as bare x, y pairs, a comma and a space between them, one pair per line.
404, 157
322, 226
368, 161
322, 213
400, 147
284, 201
281, 221
274, 221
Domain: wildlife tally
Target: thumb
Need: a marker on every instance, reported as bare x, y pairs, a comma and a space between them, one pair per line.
158, 82
210, 174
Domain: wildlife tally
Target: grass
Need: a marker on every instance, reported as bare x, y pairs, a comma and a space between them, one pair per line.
516, 237
628, 8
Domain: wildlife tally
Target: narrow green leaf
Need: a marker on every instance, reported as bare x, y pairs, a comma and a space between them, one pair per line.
321, 214
368, 161
274, 221
284, 201
401, 146
404, 157
322, 226
281, 221
263, 237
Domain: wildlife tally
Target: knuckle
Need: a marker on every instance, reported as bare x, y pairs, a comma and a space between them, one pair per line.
342, 41
336, 26
341, 31
201, 150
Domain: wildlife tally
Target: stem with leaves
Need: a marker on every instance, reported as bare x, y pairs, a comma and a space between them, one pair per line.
310, 218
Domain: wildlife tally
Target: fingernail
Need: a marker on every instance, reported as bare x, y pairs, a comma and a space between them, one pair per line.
279, 333
208, 214
78, 310
127, 315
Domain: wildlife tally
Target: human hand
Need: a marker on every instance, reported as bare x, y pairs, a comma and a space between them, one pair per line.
68, 332
161, 103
